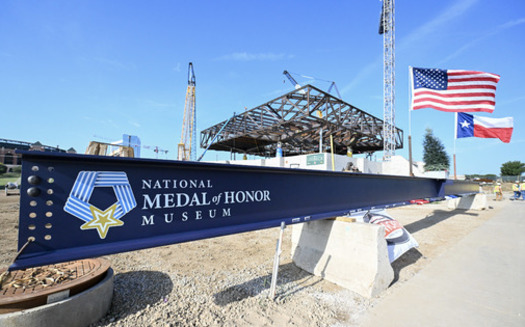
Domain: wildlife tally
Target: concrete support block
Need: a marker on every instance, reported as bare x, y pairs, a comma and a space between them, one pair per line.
469, 202
352, 255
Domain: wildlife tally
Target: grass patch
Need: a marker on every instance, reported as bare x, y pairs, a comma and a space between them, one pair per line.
9, 177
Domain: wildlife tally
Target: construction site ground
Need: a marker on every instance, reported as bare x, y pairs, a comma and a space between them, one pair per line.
468, 270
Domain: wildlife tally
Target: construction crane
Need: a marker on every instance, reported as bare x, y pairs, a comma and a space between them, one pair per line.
387, 29
156, 149
293, 81
298, 86
187, 149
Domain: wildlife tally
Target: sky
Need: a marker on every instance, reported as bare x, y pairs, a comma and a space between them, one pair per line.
76, 71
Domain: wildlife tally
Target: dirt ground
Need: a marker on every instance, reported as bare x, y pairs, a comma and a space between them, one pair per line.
225, 281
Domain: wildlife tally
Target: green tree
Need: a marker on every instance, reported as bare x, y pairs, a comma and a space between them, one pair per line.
3, 169
434, 154
512, 168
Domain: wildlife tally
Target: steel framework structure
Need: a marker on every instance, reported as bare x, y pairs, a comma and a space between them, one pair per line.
387, 28
293, 120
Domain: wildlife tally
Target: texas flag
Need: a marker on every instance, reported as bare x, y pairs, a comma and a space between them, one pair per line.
469, 125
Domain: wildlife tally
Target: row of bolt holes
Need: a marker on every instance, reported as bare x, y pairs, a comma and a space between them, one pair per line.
50, 180
32, 238
48, 203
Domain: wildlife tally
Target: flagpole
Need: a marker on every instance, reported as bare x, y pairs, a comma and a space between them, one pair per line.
410, 84
455, 137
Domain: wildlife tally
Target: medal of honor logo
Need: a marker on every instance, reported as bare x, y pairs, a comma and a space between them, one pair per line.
78, 205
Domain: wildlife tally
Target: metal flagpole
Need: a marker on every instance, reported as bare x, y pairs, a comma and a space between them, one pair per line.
455, 137
410, 86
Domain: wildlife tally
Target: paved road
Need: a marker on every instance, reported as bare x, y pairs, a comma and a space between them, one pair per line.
479, 282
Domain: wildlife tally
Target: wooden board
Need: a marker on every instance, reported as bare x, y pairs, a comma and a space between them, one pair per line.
344, 219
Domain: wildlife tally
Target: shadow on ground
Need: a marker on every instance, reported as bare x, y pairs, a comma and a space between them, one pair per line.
292, 279
435, 218
408, 258
135, 290
287, 285
413, 255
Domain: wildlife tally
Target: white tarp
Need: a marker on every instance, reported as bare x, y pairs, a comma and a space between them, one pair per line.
398, 239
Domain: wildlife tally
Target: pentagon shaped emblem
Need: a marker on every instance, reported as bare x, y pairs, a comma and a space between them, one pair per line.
78, 203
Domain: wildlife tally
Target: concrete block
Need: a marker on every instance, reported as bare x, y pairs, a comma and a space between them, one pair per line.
469, 202
352, 255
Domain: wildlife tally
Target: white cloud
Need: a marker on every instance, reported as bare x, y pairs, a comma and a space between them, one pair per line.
245, 56
505, 102
367, 70
434, 25
114, 63
484, 36
134, 123
156, 104
111, 123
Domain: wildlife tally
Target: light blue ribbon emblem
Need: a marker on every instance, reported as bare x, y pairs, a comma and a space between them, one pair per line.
78, 205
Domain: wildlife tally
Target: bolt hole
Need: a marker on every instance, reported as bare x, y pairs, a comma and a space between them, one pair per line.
50, 191
31, 227
50, 180
32, 203
48, 225
31, 238
51, 169
47, 237
32, 215
49, 203
49, 214
34, 168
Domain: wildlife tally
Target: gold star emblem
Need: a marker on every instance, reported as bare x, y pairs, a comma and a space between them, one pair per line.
102, 220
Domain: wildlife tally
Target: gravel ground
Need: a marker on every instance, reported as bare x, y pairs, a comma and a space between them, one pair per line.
225, 281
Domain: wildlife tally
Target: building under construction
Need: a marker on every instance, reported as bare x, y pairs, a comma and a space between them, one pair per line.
300, 122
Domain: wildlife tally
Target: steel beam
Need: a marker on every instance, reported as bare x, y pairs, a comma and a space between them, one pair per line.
78, 206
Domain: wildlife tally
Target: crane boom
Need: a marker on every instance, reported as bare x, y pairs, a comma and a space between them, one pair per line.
333, 85
187, 149
191, 75
292, 80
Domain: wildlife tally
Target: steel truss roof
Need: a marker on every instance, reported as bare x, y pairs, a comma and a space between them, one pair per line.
293, 119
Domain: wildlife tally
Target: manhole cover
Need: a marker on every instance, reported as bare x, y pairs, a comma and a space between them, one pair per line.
32, 287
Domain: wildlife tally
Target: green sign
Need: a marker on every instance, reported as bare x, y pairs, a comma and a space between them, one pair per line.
315, 159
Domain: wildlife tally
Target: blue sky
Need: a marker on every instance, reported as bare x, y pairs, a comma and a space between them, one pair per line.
76, 71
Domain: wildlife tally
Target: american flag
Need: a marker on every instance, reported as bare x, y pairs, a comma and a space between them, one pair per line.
453, 90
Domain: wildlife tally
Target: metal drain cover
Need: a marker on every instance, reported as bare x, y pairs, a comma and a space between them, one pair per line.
32, 287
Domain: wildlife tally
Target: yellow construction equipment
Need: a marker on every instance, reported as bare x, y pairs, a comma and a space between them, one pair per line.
187, 149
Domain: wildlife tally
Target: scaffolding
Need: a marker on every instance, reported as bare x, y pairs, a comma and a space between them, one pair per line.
387, 29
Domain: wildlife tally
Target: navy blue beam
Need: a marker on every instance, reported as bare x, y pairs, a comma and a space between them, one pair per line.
79, 206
